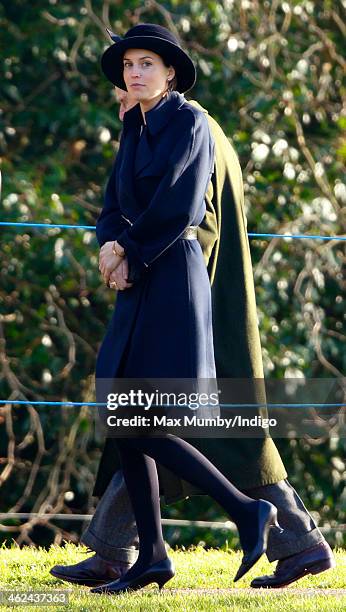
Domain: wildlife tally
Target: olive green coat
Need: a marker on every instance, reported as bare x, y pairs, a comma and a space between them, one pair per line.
223, 236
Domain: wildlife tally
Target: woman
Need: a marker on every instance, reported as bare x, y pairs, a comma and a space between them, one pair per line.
161, 326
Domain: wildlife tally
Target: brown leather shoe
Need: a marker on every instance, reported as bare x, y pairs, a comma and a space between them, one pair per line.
93, 571
314, 560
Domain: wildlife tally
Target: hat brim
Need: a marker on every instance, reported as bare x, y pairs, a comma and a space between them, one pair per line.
112, 60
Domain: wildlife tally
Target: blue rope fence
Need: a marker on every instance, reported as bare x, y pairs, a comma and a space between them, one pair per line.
269, 405
93, 227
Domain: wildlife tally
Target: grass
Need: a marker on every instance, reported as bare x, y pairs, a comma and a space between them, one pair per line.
203, 583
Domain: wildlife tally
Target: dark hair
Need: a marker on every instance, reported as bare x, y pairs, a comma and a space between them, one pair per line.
172, 85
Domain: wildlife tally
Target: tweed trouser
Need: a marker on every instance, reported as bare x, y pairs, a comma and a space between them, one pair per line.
112, 532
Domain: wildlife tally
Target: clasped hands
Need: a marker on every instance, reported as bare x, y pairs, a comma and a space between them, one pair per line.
114, 268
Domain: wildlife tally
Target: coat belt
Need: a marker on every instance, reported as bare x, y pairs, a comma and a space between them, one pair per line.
190, 232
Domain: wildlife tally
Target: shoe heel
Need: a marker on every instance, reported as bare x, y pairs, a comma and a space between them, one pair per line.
267, 519
321, 567
162, 582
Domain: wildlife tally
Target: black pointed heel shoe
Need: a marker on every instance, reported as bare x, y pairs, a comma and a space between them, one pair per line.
159, 572
266, 518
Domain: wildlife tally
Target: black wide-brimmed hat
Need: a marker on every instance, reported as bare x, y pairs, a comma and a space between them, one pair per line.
155, 38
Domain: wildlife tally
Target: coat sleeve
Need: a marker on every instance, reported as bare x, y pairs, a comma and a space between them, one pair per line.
110, 223
208, 230
178, 196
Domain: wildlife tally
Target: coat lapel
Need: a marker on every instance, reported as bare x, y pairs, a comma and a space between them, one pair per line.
125, 175
156, 119
144, 153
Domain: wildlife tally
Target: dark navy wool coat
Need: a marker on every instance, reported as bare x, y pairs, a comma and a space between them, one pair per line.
162, 325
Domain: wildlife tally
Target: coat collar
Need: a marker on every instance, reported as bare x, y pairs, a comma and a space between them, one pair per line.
158, 117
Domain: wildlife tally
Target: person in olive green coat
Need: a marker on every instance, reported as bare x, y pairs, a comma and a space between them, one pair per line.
253, 465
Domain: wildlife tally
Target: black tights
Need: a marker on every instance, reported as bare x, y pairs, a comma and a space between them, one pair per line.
138, 457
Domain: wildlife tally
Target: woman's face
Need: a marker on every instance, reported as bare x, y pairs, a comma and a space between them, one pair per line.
145, 74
